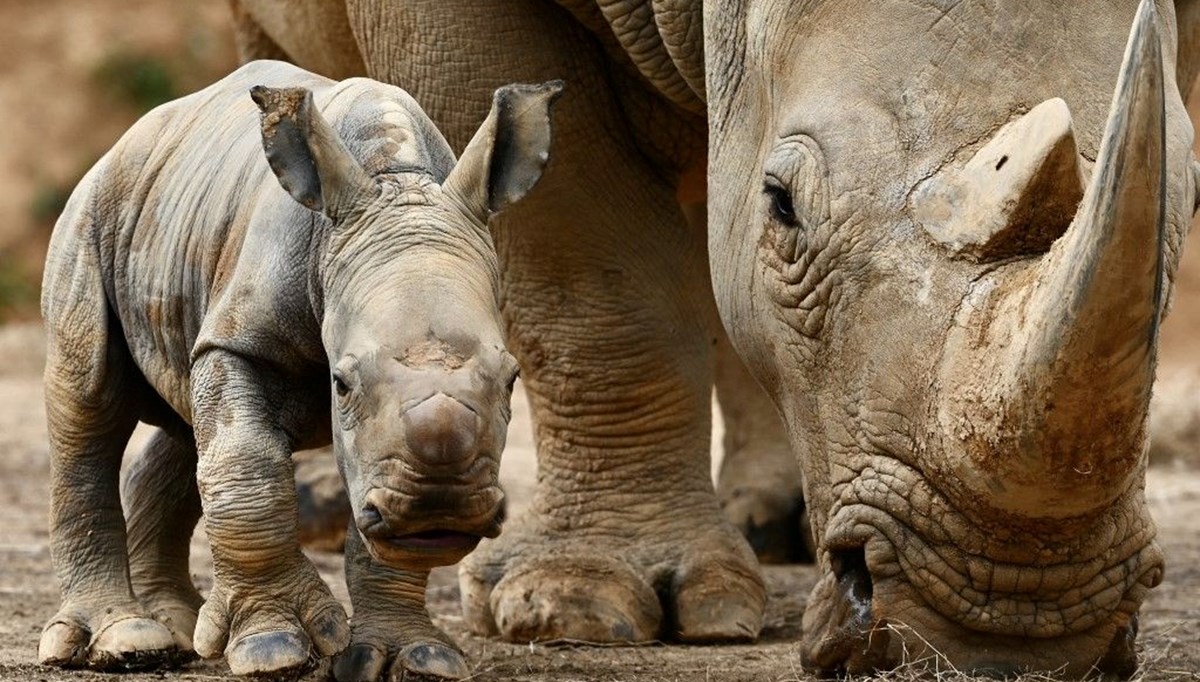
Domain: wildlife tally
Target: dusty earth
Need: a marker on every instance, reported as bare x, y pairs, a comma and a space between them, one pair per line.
1170, 638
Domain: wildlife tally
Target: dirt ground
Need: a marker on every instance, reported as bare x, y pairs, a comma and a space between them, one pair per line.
1170, 638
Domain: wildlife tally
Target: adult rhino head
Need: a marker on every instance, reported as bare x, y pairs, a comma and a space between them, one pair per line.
942, 236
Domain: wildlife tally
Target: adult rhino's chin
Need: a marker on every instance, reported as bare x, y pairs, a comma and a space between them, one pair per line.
911, 580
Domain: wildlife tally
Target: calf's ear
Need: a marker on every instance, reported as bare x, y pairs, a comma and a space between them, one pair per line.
306, 154
506, 156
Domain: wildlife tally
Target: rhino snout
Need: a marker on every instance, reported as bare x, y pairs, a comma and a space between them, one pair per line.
441, 431
435, 529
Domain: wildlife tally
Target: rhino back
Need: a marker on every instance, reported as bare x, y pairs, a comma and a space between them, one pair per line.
200, 247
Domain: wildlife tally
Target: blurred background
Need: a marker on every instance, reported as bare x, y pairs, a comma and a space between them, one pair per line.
74, 75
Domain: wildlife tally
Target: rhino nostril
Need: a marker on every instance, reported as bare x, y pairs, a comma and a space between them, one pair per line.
854, 578
441, 430
370, 516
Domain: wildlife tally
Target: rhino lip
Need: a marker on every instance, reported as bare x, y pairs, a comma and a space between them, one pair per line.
436, 539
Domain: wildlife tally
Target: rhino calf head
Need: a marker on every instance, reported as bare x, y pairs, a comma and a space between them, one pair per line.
420, 380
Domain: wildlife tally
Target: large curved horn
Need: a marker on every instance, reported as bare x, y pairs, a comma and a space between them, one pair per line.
1069, 345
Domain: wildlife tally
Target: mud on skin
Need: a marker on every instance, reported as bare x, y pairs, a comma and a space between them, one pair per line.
247, 308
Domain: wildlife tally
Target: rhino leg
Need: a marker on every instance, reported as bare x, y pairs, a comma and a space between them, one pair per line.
392, 637
268, 611
162, 506
607, 302
250, 39
92, 395
760, 484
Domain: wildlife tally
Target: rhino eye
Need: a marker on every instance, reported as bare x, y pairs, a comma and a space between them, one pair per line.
782, 209
340, 386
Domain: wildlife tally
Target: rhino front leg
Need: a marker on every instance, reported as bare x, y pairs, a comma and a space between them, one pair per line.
269, 611
609, 309
392, 636
760, 483
162, 506
91, 407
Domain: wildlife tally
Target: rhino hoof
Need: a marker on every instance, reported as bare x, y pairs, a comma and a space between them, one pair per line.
122, 645
427, 660
586, 598
278, 655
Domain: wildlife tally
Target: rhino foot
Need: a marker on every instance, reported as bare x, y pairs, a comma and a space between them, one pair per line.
120, 640
699, 584
273, 631
368, 662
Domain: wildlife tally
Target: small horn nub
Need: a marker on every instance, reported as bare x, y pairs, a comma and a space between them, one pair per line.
1015, 196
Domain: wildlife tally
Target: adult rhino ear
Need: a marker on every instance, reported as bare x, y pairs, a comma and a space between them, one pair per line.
506, 157
307, 156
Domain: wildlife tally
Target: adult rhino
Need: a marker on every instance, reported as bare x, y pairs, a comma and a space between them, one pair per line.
941, 244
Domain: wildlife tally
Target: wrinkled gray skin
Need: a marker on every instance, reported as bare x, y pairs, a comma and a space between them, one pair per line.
947, 285
185, 288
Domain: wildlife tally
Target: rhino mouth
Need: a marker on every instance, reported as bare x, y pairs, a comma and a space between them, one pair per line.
911, 578
437, 540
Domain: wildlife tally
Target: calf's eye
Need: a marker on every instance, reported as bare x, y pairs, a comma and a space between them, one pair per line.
340, 386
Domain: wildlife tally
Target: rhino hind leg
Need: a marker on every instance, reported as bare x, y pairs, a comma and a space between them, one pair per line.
92, 395
162, 506
760, 484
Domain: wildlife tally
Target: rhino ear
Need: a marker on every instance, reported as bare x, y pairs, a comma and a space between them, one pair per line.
505, 158
306, 154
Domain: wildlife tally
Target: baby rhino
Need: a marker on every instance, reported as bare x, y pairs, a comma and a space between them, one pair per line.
356, 305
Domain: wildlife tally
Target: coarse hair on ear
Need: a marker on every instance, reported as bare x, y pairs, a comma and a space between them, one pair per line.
306, 154
507, 155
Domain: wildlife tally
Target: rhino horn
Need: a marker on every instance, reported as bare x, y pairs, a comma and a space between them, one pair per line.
1016, 195
1055, 424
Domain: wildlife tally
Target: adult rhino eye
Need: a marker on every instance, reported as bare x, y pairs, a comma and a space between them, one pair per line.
781, 206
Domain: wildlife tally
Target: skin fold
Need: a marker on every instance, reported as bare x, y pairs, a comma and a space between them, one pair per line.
271, 264
959, 360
